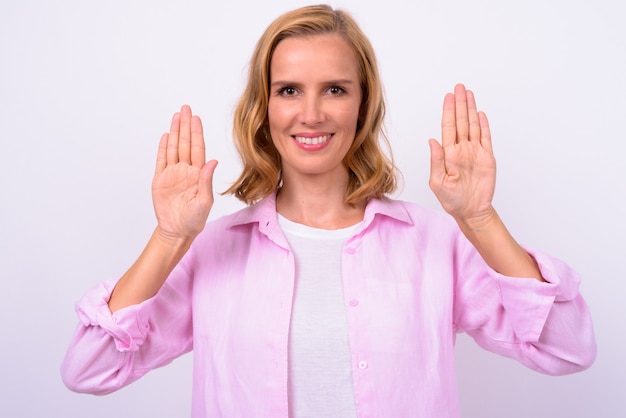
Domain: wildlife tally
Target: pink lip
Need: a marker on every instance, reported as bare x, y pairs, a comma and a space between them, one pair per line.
312, 147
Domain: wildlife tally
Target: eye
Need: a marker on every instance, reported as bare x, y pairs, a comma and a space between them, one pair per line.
336, 90
287, 91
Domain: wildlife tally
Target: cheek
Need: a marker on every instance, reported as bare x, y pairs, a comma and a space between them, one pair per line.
271, 114
276, 124
349, 117
278, 116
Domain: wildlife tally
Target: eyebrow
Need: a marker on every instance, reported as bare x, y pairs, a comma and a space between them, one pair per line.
341, 81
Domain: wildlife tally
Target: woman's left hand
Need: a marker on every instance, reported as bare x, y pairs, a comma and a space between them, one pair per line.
463, 167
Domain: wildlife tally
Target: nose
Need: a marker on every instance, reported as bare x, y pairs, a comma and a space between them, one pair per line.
311, 111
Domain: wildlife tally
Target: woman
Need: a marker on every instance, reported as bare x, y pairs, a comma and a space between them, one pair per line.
324, 297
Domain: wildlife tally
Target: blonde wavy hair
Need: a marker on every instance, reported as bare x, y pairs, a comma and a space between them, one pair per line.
372, 172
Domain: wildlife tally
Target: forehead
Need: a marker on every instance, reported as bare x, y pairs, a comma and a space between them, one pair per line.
327, 55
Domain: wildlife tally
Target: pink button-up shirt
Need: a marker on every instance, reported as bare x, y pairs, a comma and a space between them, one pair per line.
411, 281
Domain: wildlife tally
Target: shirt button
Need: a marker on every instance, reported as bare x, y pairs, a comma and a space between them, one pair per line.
362, 364
354, 302
349, 250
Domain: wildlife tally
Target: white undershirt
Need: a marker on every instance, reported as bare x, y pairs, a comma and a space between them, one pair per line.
320, 372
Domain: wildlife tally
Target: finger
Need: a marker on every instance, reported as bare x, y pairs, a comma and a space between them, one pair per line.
184, 139
462, 124
172, 142
161, 161
448, 121
472, 115
198, 157
485, 132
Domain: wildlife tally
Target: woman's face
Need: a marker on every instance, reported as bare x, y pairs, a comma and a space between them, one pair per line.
314, 103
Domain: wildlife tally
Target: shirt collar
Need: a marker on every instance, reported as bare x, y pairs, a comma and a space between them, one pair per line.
264, 213
387, 207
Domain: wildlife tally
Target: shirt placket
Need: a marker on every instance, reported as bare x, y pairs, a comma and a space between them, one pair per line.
356, 308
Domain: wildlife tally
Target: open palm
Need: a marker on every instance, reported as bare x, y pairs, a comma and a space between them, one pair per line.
182, 191
463, 167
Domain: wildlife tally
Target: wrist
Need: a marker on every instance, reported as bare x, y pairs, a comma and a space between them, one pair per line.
479, 223
173, 241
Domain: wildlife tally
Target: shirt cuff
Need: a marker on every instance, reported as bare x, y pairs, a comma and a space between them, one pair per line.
528, 301
128, 326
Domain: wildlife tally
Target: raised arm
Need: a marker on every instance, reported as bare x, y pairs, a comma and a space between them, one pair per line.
463, 177
182, 195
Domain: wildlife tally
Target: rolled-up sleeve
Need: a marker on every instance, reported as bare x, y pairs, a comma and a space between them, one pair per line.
128, 327
111, 350
546, 326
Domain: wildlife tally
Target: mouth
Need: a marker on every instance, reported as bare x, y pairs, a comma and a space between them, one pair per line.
315, 140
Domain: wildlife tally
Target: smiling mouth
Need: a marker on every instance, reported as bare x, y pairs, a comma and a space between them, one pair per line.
314, 140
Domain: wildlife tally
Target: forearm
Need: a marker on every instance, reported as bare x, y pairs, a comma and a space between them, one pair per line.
146, 276
499, 249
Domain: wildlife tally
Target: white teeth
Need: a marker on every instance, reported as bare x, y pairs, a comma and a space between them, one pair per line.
312, 141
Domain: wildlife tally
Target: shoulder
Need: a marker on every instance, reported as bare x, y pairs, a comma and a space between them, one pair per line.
398, 228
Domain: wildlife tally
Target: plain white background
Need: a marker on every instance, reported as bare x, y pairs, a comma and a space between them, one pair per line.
87, 87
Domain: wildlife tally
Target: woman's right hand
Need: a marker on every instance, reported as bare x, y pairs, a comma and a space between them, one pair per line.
182, 190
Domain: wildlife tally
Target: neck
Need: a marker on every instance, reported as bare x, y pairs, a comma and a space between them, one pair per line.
319, 204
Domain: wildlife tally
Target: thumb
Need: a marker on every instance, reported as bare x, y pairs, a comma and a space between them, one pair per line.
205, 183
437, 161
